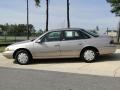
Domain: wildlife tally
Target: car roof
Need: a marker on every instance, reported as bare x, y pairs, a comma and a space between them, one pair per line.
62, 29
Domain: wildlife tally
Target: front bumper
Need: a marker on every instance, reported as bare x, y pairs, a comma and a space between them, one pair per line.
8, 54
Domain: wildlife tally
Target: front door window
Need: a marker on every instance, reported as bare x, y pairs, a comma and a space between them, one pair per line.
52, 36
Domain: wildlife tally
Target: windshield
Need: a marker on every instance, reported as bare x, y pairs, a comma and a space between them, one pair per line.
38, 37
91, 33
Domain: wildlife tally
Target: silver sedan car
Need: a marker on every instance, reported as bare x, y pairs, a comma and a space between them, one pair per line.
61, 43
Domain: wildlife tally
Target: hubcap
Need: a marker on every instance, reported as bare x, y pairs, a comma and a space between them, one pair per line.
89, 55
22, 58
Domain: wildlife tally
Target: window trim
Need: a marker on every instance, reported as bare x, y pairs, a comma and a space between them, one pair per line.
85, 34
63, 38
90, 33
49, 33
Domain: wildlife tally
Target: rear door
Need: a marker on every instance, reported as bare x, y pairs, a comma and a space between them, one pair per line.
72, 43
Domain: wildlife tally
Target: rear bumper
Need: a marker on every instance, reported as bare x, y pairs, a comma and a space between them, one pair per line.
107, 49
8, 54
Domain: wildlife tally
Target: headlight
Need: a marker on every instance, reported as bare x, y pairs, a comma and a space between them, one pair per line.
7, 49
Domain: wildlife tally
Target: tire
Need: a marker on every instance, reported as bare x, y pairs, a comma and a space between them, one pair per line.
89, 55
22, 57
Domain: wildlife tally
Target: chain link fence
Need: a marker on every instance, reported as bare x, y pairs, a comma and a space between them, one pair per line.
11, 33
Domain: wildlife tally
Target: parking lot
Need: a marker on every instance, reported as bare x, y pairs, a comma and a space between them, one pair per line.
108, 65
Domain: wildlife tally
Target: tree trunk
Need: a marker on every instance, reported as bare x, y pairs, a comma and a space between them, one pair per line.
68, 14
107, 30
47, 14
118, 33
27, 20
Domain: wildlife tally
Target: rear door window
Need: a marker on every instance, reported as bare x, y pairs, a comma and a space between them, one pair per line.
74, 35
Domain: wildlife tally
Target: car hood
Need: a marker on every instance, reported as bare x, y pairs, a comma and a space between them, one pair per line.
23, 42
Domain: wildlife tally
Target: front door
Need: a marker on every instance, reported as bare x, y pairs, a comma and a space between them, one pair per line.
49, 47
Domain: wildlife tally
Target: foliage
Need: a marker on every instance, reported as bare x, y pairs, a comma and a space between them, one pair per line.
115, 4
37, 2
47, 11
2, 48
39, 32
18, 30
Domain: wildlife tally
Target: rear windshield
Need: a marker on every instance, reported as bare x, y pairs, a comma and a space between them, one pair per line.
91, 33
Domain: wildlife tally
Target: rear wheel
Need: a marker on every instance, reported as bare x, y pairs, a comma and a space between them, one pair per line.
22, 57
89, 55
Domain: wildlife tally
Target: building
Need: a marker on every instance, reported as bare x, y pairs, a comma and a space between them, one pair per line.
112, 33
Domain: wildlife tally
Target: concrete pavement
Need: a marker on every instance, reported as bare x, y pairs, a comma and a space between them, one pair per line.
108, 65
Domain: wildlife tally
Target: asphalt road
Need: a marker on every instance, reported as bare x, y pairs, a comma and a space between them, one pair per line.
17, 79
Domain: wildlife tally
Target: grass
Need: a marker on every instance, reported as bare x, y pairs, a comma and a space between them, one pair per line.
118, 46
15, 38
10, 40
2, 48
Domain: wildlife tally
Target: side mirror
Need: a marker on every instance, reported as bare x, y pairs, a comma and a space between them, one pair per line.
38, 41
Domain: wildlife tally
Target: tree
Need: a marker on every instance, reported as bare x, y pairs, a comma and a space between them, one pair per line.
115, 4
97, 28
47, 11
68, 14
39, 32
19, 30
28, 36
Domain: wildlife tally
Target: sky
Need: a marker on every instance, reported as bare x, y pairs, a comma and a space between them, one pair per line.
85, 14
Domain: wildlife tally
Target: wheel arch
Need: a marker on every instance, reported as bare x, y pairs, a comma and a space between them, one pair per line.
21, 49
89, 47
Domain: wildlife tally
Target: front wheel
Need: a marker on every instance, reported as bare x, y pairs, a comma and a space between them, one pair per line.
89, 55
22, 57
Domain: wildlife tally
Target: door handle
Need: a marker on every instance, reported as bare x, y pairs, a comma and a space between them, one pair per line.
57, 45
80, 44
